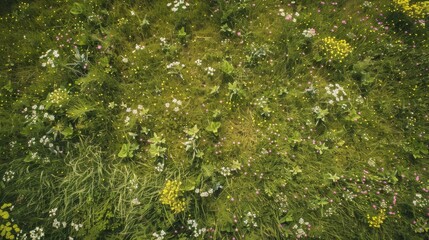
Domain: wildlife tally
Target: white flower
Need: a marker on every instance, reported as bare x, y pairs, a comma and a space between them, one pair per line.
176, 109
167, 105
311, 32
132, 13
125, 60
53, 212
135, 201
56, 224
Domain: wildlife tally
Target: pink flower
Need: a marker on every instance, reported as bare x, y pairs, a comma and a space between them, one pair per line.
289, 17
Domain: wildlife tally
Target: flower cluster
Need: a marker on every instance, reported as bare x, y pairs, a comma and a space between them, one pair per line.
210, 71
8, 176
309, 33
420, 201
205, 193
377, 220
37, 233
178, 4
159, 167
170, 196
37, 112
193, 226
50, 56
335, 91
159, 236
282, 200
76, 226
176, 103
418, 10
6, 226
138, 48
299, 228
175, 65
56, 224
249, 220
58, 97
139, 114
199, 62
335, 49
288, 16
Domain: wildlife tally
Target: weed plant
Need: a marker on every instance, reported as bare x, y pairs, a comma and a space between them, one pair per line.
245, 119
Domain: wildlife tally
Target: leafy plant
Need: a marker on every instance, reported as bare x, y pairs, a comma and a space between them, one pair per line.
213, 127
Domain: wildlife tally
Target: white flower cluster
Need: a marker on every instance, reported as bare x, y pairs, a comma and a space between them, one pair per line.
53, 212
8, 176
36, 114
140, 111
299, 228
420, 201
249, 220
135, 201
309, 33
210, 71
37, 233
46, 141
225, 171
204, 194
335, 91
193, 226
138, 48
159, 167
282, 200
133, 185
175, 65
288, 16
76, 226
367, 4
178, 4
57, 224
199, 62
160, 235
176, 103
50, 57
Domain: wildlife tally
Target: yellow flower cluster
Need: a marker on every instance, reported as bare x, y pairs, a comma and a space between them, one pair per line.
335, 49
376, 221
418, 10
58, 97
170, 196
6, 226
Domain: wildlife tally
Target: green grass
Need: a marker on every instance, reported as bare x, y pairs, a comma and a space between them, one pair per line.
268, 135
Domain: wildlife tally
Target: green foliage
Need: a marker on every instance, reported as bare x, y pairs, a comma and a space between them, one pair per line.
236, 104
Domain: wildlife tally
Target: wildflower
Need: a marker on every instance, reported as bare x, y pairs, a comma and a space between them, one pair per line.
37, 233
210, 71
335, 49
135, 201
376, 221
53, 212
56, 224
9, 175
309, 33
198, 62
170, 196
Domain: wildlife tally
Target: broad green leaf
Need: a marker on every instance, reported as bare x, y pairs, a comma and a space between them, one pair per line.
213, 127
76, 9
124, 151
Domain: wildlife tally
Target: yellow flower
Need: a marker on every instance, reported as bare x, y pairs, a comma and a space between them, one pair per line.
335, 49
170, 196
377, 220
417, 10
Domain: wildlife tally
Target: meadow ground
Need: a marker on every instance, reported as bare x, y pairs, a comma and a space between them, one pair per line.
216, 119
